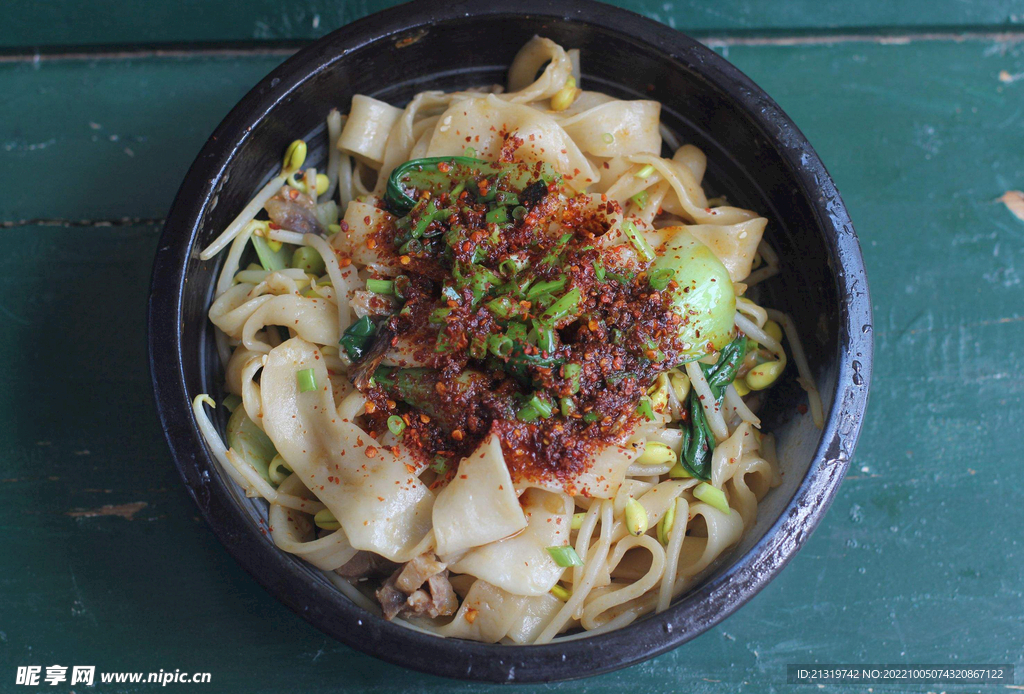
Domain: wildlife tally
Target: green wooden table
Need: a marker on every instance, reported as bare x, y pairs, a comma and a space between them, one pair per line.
916, 107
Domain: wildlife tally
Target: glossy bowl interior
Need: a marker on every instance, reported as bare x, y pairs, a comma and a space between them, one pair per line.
756, 157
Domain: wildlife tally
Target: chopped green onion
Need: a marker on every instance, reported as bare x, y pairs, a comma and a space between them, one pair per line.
527, 413
645, 172
645, 409
469, 152
546, 339
396, 425
519, 213
449, 293
640, 199
565, 556
599, 271
516, 331
504, 307
410, 247
442, 345
636, 517
608, 138
712, 496
577, 520
567, 304
309, 260
561, 593
573, 373
400, 285
425, 220
566, 406
325, 519
659, 279
457, 190
307, 380
357, 337
438, 315
440, 465
503, 197
499, 215
231, 401
556, 250
546, 287
478, 346
541, 405
380, 286
620, 278
638, 241
499, 345
591, 417
512, 266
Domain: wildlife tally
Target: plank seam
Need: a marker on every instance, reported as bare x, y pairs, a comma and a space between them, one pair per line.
69, 223
284, 49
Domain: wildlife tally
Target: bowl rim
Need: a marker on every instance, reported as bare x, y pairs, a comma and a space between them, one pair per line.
325, 607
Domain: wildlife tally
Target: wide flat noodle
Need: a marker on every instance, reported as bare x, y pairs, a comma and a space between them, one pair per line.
314, 320
232, 309
616, 128
486, 614
482, 122
404, 134
723, 531
362, 222
381, 506
294, 532
521, 564
536, 612
366, 130
479, 505
601, 479
728, 453
522, 87
734, 244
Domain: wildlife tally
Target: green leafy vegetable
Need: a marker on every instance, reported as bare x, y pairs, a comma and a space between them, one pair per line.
358, 338
698, 441
565, 556
249, 442
269, 258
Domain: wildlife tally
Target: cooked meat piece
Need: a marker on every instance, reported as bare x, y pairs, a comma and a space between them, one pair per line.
372, 304
366, 565
402, 594
392, 600
363, 369
442, 594
416, 572
298, 215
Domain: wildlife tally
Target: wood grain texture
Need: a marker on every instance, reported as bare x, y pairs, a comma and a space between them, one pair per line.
919, 560
91, 22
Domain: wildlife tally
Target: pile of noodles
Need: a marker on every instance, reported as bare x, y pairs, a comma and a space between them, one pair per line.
490, 530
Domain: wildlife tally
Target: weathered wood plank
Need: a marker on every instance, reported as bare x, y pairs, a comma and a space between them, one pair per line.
917, 562
78, 22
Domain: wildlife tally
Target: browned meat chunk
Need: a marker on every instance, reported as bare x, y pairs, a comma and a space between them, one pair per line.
366, 565
403, 593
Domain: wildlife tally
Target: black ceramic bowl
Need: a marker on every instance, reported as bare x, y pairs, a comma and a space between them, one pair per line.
755, 155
